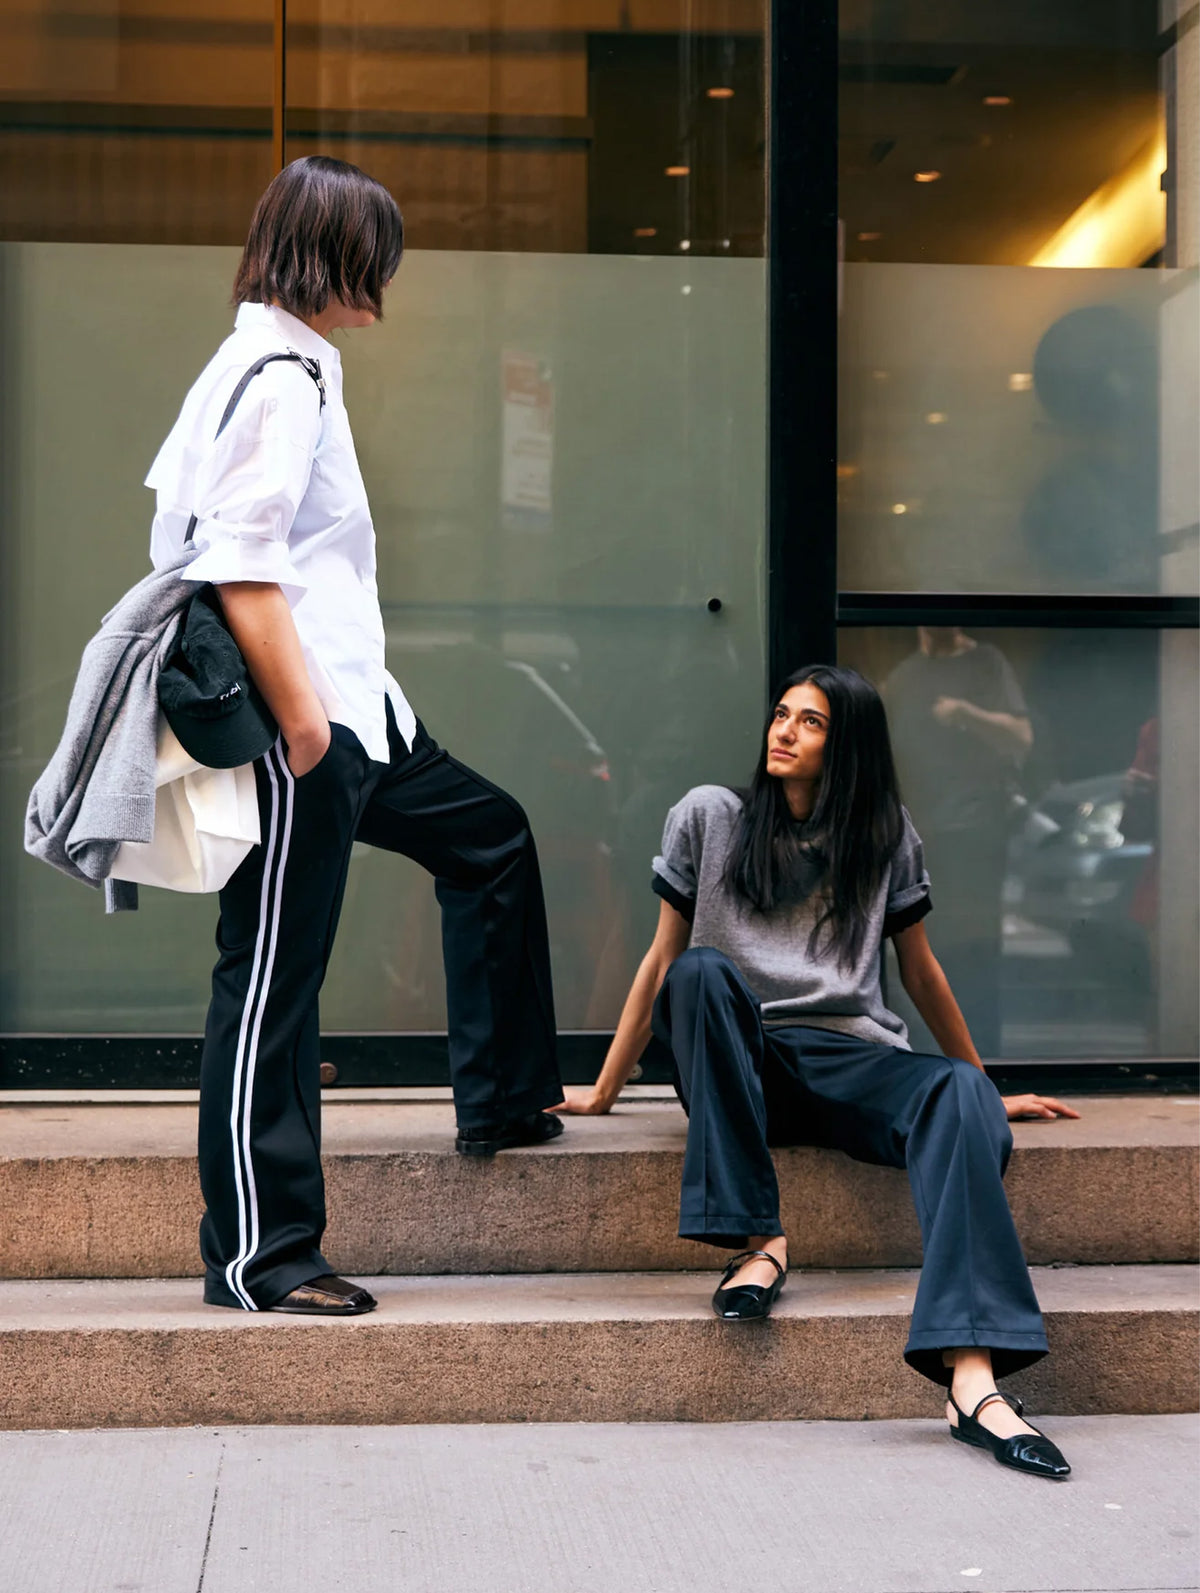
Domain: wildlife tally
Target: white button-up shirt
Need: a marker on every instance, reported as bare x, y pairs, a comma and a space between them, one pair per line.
279, 497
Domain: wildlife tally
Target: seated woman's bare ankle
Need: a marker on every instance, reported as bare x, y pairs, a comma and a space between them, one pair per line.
973, 1379
757, 1271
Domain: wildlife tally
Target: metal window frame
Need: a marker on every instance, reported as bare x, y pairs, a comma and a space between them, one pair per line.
80, 1064
802, 335
1048, 611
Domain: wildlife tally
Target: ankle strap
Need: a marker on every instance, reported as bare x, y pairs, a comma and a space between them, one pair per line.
1011, 1400
753, 1255
988, 1399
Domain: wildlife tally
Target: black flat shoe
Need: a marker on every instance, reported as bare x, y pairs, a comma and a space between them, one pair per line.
327, 1296
748, 1301
1032, 1452
534, 1129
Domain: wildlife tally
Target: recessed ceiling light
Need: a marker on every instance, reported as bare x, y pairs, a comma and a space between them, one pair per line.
1020, 382
899, 508
997, 99
645, 232
685, 244
926, 176
869, 237
678, 171
719, 93
935, 418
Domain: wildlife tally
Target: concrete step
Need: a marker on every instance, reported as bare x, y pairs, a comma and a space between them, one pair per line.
553, 1347
92, 1191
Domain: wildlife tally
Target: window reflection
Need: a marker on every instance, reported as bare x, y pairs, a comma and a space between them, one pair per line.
133, 126
622, 129
606, 130
1013, 381
988, 134
1052, 777
565, 461
1001, 430
963, 735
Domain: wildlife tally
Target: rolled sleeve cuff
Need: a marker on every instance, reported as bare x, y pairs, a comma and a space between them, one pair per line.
684, 905
899, 919
243, 553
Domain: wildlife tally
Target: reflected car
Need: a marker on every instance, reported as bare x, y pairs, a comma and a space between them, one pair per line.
1073, 869
506, 717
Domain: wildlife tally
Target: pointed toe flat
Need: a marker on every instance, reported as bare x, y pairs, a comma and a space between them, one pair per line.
1032, 1453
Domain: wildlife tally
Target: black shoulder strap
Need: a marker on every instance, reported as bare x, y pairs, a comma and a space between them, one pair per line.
311, 366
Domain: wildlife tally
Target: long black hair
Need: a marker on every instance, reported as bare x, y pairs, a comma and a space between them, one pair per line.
842, 849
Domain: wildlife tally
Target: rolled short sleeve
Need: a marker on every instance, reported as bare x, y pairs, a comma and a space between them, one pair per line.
677, 868
251, 481
909, 897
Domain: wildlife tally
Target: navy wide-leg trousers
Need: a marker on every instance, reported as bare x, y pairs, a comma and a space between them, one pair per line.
746, 1087
260, 1100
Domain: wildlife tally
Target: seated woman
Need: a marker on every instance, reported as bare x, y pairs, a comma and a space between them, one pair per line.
764, 981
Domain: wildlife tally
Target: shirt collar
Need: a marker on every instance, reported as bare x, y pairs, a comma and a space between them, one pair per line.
290, 328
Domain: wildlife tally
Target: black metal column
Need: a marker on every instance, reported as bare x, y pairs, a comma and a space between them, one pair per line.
802, 244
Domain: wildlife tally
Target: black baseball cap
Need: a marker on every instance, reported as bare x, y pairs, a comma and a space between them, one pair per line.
207, 696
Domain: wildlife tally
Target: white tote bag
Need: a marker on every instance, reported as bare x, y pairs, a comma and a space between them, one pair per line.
205, 821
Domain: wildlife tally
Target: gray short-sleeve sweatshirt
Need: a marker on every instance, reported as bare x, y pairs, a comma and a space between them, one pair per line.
772, 950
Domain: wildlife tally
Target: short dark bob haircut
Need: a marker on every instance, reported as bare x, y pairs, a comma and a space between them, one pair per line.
323, 230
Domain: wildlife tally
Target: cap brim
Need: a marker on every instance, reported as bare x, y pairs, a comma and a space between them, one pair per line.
226, 742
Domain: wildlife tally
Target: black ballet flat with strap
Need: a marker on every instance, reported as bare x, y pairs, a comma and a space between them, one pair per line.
1031, 1452
748, 1302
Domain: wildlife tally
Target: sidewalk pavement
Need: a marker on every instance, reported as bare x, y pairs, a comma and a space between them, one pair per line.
822, 1507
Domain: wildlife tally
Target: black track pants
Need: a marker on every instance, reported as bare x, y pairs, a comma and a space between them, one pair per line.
260, 1129
745, 1088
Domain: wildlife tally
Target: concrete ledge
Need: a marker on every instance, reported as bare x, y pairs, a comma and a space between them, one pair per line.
101, 1191
641, 1347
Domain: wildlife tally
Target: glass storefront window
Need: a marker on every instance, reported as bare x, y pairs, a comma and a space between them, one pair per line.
1052, 777
133, 125
1018, 333
561, 424
1019, 349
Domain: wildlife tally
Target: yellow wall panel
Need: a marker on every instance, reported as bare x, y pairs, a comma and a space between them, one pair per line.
697, 16
473, 15
538, 85
114, 189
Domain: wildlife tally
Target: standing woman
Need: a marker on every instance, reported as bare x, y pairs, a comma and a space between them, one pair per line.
764, 981
284, 533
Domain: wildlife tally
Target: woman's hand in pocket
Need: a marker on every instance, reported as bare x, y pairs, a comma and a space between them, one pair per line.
306, 747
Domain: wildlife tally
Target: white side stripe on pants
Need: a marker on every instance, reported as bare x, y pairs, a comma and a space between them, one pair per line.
278, 838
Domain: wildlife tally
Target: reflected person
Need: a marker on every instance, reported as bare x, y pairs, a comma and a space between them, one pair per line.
1139, 824
962, 732
284, 532
763, 982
